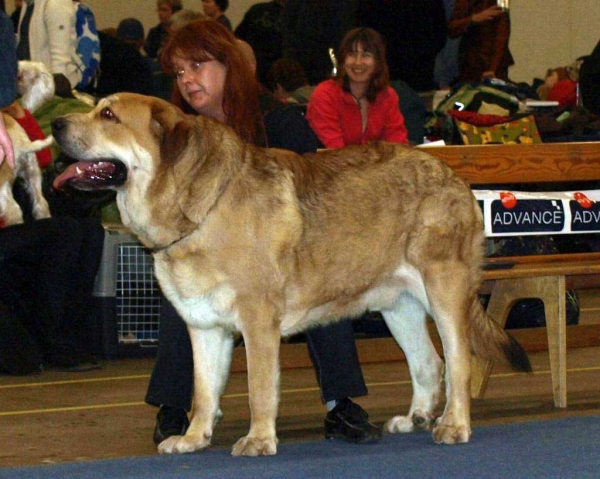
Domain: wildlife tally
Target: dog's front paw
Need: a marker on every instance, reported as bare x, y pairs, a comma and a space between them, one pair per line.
451, 433
399, 424
183, 444
254, 446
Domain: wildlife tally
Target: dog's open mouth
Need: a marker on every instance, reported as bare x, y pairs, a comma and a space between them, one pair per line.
92, 175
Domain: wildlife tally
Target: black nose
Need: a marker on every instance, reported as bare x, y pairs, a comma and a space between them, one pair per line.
58, 124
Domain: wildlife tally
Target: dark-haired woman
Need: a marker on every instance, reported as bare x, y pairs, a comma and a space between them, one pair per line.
358, 105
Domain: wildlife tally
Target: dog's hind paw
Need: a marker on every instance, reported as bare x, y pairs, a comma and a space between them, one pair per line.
451, 434
253, 446
182, 444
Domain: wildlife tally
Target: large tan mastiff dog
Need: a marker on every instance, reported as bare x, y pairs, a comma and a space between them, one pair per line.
269, 243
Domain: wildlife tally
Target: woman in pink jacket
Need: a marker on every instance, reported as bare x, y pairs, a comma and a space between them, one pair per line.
358, 105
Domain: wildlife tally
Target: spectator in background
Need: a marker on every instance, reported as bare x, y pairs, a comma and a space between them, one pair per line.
358, 105
446, 63
287, 81
131, 31
484, 31
157, 35
414, 32
311, 28
47, 270
216, 9
262, 29
46, 34
122, 66
183, 17
589, 81
16, 14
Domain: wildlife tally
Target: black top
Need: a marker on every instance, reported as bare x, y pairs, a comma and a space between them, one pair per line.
286, 127
589, 81
155, 40
122, 68
415, 33
262, 27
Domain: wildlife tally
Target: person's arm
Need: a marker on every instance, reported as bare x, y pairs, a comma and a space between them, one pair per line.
500, 44
8, 83
460, 20
6, 146
60, 22
395, 129
323, 117
463, 17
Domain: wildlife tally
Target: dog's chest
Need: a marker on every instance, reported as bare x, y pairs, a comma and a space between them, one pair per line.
201, 301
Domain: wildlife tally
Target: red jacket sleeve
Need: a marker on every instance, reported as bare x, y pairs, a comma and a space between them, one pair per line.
323, 116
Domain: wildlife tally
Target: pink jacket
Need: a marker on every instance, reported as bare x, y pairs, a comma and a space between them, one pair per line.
334, 115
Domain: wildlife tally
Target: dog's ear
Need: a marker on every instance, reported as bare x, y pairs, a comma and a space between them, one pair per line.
173, 130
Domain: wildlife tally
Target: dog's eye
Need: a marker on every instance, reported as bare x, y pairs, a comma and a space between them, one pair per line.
107, 114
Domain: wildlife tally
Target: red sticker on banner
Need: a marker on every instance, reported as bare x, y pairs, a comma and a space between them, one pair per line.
509, 200
583, 200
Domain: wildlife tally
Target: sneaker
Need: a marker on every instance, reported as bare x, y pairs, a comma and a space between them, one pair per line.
170, 421
350, 422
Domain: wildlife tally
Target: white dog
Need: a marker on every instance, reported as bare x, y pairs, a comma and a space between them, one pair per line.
26, 167
35, 84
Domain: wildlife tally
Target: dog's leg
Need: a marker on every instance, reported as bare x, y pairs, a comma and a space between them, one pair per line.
10, 211
33, 177
262, 338
407, 322
447, 289
212, 349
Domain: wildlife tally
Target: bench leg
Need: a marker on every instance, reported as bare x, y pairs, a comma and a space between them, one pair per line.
556, 328
551, 290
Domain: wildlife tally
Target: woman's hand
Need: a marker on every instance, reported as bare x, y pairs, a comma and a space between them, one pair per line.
486, 15
6, 146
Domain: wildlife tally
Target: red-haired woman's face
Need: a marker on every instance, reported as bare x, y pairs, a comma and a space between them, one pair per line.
359, 64
202, 85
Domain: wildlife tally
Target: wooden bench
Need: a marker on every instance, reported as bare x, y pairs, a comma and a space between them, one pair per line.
545, 277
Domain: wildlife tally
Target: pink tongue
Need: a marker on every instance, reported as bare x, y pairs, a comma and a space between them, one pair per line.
86, 174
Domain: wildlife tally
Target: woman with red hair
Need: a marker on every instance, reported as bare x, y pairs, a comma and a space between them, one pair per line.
358, 105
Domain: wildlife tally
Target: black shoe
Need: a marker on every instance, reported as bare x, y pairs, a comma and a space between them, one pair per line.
350, 422
170, 421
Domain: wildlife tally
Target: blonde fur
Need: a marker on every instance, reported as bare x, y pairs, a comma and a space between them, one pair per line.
35, 84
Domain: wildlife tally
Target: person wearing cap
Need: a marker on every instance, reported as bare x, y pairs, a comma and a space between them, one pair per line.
131, 30
123, 67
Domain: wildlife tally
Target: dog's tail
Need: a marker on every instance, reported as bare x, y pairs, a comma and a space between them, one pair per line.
38, 145
490, 341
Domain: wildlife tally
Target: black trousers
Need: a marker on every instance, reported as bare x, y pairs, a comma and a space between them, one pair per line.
332, 350
47, 273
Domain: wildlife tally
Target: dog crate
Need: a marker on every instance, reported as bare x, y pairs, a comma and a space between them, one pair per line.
127, 297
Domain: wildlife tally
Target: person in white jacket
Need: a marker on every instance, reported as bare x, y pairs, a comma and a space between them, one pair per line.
47, 35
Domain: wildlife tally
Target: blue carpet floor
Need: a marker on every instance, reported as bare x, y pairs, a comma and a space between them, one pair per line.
565, 448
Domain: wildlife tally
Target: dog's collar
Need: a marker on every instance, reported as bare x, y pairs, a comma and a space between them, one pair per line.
162, 248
